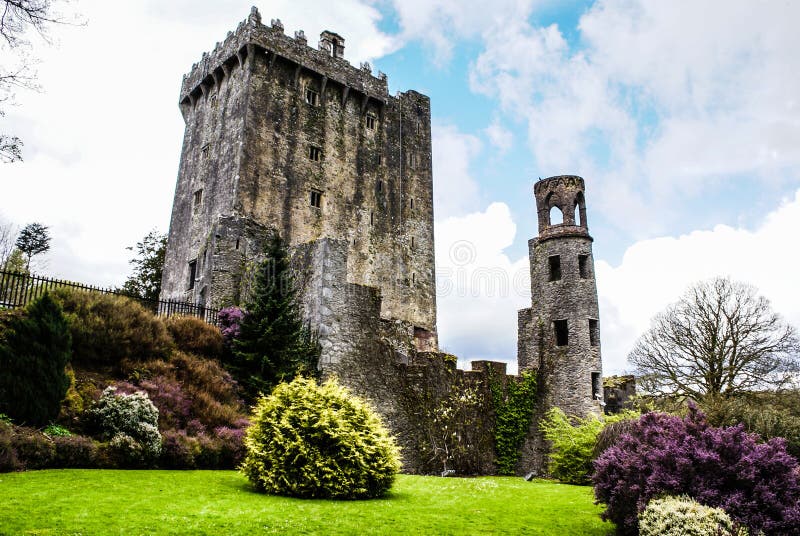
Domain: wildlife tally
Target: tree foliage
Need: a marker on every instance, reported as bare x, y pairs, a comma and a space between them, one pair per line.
319, 441
35, 347
273, 343
148, 267
720, 338
32, 240
755, 483
573, 443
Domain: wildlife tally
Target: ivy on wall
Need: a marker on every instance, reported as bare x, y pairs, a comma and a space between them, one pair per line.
513, 407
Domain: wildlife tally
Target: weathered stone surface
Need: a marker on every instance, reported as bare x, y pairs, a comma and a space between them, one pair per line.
564, 305
256, 108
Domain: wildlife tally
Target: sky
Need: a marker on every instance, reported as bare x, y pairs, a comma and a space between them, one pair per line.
682, 117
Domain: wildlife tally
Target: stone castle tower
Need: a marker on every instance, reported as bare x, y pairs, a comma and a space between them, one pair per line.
559, 335
282, 137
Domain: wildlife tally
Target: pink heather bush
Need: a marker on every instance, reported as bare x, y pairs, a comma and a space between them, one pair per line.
755, 483
230, 318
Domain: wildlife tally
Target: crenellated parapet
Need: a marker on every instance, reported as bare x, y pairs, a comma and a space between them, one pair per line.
253, 38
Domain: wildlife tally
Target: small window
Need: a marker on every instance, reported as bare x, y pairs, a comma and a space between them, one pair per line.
380, 159
192, 273
371, 218
597, 386
412, 242
594, 332
370, 121
412, 160
380, 186
204, 151
556, 216
411, 203
312, 97
314, 153
197, 201
555, 267
237, 243
561, 331
583, 266
316, 198
214, 101
413, 278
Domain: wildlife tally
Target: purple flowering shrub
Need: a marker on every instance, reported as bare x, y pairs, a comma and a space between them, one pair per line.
230, 319
755, 483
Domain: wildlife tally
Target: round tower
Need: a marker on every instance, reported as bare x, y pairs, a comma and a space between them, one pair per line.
562, 330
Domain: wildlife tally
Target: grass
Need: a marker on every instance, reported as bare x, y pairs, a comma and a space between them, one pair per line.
223, 502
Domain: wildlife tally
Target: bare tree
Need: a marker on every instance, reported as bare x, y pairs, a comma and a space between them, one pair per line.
8, 236
19, 19
720, 338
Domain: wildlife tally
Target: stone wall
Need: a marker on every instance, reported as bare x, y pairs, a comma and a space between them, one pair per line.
256, 108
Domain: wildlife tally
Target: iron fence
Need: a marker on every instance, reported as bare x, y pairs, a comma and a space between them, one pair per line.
18, 289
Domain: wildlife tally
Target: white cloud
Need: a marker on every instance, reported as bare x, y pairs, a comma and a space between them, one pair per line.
479, 289
500, 137
454, 189
102, 141
660, 102
655, 273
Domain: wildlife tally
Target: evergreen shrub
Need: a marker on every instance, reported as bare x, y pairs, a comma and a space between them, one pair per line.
75, 452
756, 483
683, 516
33, 449
130, 422
318, 441
35, 348
195, 336
107, 329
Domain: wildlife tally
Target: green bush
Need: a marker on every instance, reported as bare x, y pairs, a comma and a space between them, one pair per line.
108, 329
309, 440
572, 446
33, 449
131, 424
682, 516
35, 348
195, 336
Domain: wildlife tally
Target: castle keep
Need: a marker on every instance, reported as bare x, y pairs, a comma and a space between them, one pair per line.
284, 138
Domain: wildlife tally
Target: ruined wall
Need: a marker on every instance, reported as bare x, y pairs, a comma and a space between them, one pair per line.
271, 123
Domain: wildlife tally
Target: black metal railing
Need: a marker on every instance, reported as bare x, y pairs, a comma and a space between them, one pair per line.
18, 289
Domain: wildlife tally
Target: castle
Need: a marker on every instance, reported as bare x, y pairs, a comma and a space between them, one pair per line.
284, 138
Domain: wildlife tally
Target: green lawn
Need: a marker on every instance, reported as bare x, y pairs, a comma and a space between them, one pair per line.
223, 502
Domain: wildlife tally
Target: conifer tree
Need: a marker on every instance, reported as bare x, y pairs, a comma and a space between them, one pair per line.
35, 348
273, 344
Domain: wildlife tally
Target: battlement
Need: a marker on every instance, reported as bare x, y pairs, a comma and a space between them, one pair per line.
252, 37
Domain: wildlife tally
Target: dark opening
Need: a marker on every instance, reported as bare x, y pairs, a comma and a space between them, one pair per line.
561, 332
412, 241
192, 273
413, 278
237, 243
371, 218
205, 150
380, 186
583, 266
314, 153
312, 97
597, 386
370, 121
594, 332
555, 267
412, 203
198, 200
316, 198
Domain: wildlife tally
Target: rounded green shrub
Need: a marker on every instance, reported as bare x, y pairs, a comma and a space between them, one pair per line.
318, 441
683, 516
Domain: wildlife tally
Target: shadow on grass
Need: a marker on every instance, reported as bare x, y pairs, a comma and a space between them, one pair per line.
246, 486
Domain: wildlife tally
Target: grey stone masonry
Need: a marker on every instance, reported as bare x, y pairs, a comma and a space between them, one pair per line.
560, 334
282, 137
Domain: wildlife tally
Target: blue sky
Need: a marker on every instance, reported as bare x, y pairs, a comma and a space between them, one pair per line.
683, 117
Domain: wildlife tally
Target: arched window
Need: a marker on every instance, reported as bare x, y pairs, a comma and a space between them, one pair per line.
556, 216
